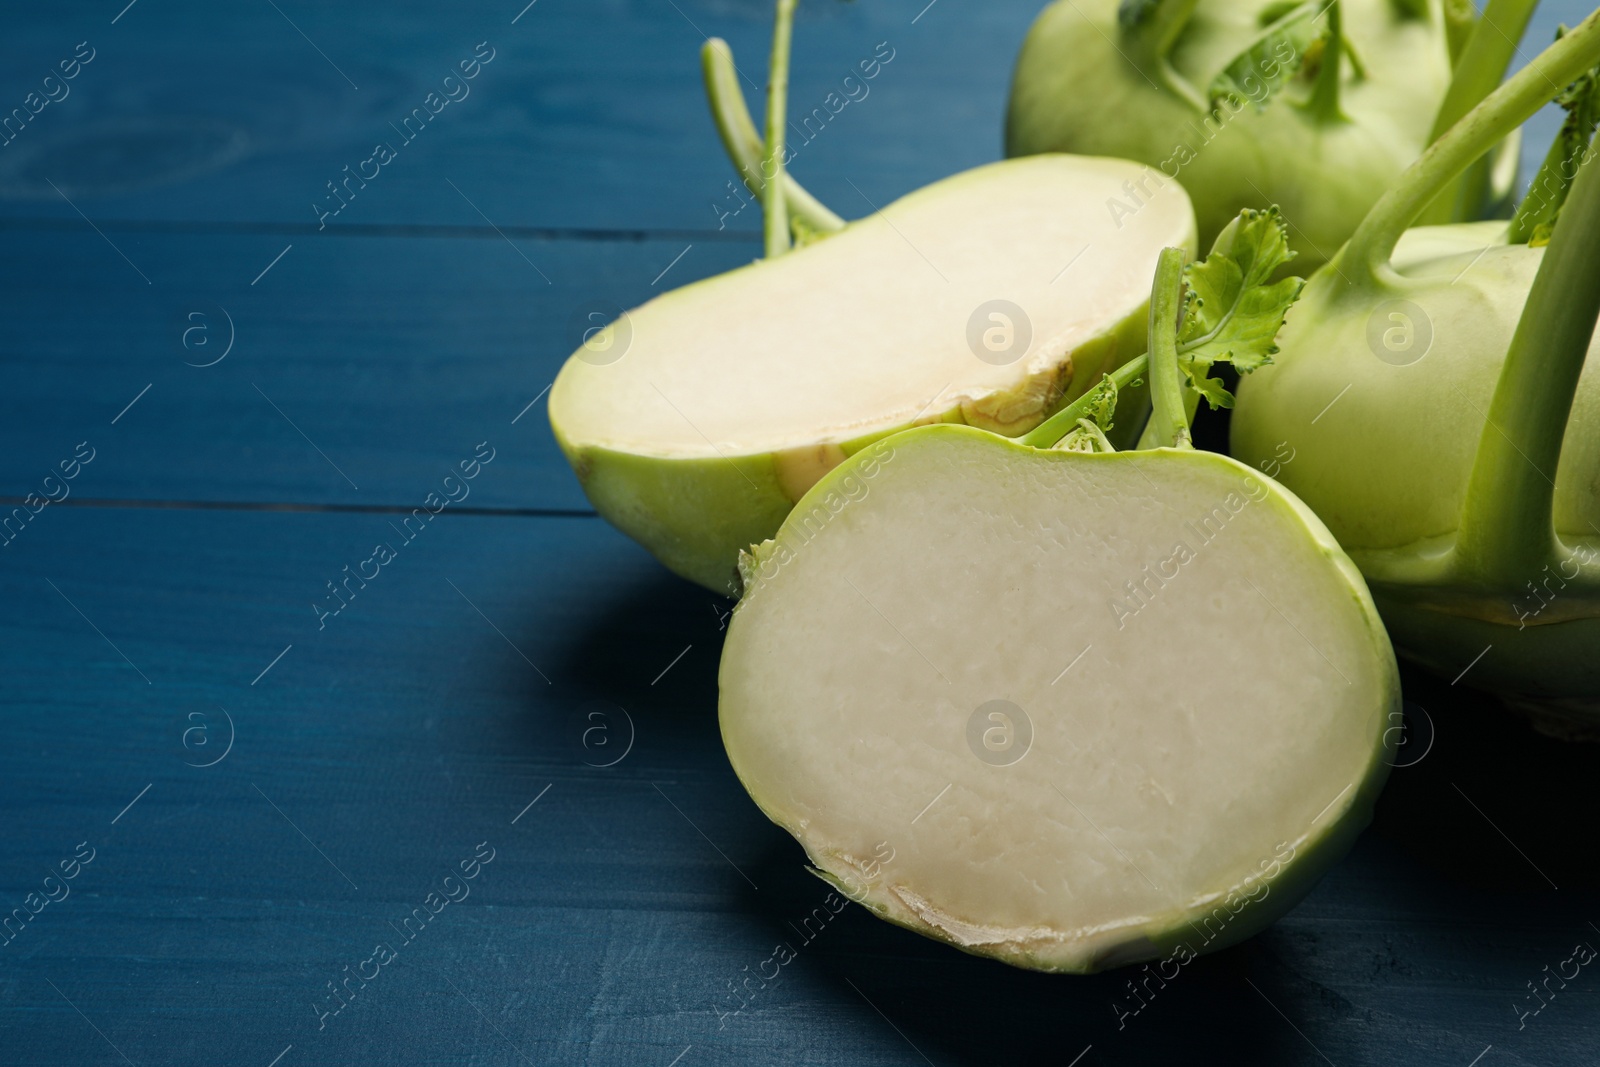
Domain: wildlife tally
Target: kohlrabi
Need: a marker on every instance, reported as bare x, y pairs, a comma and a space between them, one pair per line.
991, 298
1313, 106
1432, 394
1063, 706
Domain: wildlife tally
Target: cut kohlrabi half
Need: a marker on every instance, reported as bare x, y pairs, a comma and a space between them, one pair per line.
1064, 707
1098, 706
956, 303
990, 298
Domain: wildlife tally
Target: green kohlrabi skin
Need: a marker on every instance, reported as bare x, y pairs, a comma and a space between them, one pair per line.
1419, 405
1383, 449
1084, 85
697, 506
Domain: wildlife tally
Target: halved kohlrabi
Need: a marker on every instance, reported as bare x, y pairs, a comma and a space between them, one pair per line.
991, 298
1433, 394
1068, 709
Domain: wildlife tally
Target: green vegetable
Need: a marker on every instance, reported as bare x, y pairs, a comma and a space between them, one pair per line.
1313, 106
1536, 215
990, 298
1069, 708
1432, 390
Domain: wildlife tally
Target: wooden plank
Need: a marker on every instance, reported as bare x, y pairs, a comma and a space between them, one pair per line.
362, 368
374, 754
588, 115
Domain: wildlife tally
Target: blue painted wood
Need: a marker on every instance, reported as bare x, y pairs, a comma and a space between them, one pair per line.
504, 659
589, 115
386, 347
377, 753
389, 355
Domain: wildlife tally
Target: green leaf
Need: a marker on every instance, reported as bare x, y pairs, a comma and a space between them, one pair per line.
1257, 73
1102, 401
1232, 307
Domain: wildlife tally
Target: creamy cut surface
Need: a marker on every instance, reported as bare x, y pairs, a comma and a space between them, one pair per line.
873, 328
1193, 690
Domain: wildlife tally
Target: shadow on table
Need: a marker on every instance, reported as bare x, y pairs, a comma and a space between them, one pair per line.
1493, 804
649, 649
952, 1008
1443, 822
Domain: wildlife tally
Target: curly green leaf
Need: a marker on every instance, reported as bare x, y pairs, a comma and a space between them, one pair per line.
1232, 307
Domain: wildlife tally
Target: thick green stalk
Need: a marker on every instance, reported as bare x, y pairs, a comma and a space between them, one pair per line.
1169, 423
1506, 532
1148, 39
1541, 205
1460, 19
1324, 101
1484, 63
1157, 26
774, 208
1478, 131
1147, 437
1062, 422
743, 144
1482, 67
1547, 190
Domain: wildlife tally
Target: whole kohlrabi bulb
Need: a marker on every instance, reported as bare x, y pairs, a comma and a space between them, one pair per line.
1315, 107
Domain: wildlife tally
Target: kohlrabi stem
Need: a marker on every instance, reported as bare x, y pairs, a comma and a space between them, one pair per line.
1324, 101
774, 208
1484, 63
1150, 40
1506, 531
1548, 189
1460, 19
1482, 67
1169, 422
1541, 204
1062, 422
1478, 131
743, 144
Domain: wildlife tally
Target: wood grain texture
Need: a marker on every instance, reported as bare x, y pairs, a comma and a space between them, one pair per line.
591, 113
381, 749
504, 658
393, 356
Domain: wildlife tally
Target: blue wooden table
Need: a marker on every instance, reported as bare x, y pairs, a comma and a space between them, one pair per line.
474, 809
